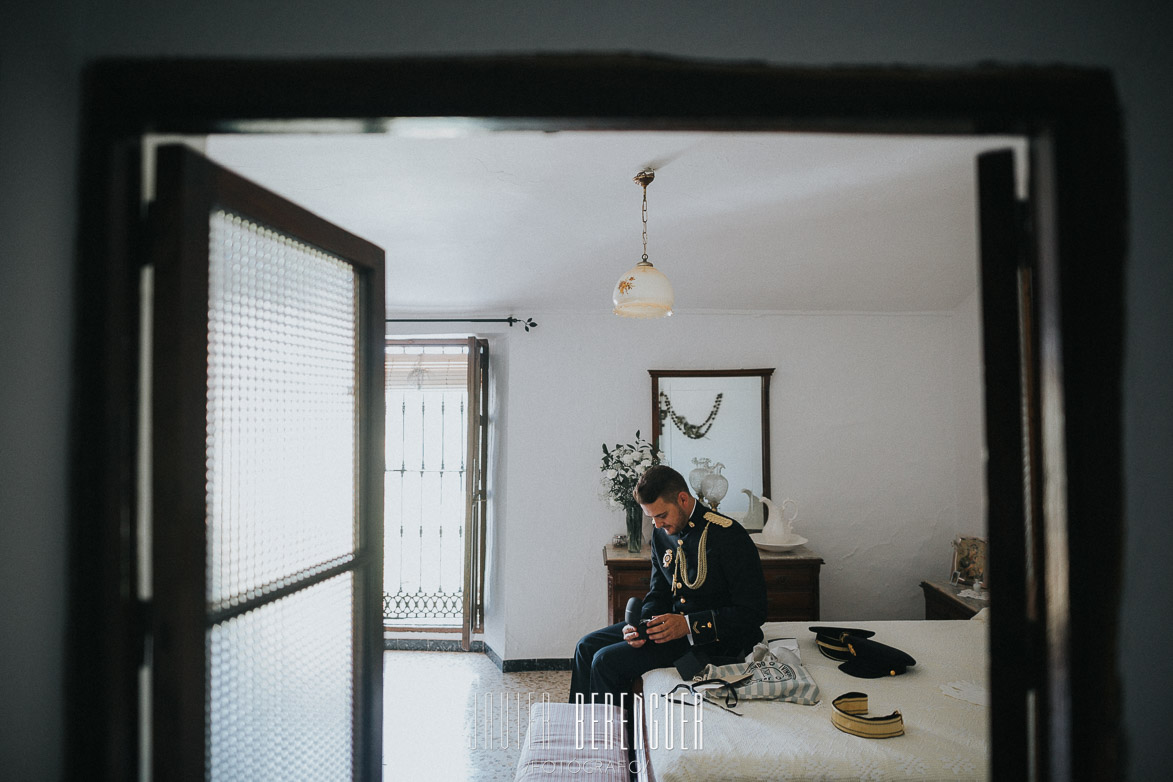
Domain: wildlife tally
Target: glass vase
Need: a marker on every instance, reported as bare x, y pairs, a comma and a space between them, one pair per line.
635, 528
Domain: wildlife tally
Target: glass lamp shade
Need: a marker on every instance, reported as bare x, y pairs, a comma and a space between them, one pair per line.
643, 292
715, 486
697, 475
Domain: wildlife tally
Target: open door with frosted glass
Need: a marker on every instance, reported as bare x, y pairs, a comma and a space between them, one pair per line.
266, 485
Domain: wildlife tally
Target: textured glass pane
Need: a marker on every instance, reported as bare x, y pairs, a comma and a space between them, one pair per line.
280, 689
282, 418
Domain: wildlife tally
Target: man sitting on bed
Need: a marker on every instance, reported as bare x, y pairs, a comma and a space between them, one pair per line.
707, 591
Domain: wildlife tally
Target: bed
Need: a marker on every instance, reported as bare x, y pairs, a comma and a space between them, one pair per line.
942, 699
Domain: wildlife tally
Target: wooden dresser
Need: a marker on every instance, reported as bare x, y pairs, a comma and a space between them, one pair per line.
792, 581
943, 601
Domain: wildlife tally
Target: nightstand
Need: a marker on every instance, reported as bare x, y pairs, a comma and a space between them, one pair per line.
943, 601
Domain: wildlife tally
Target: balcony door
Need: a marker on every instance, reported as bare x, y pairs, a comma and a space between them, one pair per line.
435, 491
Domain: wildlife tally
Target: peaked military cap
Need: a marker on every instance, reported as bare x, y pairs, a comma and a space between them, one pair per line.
830, 640
872, 659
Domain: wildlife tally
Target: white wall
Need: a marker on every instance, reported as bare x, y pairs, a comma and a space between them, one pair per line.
969, 415
867, 411
44, 45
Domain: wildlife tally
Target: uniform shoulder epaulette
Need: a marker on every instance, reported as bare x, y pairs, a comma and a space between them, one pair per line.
716, 518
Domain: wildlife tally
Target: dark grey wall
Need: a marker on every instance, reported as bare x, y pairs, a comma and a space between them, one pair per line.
38, 113
45, 44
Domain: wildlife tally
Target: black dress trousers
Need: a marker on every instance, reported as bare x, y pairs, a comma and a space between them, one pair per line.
605, 664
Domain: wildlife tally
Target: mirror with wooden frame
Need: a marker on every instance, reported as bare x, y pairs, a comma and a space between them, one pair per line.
722, 415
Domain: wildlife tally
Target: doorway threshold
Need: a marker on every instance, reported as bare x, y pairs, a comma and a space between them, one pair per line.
429, 641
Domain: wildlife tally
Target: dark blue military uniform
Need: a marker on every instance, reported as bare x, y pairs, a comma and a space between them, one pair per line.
729, 606
725, 611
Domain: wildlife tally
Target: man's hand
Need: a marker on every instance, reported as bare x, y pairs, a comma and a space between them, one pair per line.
632, 637
667, 627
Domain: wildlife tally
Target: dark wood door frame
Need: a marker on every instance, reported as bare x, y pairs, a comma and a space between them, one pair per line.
1071, 115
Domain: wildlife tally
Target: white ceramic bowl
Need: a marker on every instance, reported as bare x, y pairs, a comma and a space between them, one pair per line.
766, 545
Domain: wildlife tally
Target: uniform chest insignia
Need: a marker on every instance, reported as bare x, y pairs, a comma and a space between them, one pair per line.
667, 558
718, 519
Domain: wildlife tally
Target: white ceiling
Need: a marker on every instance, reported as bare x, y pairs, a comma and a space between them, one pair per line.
509, 222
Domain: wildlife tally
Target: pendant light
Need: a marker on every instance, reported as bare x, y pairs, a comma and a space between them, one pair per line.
643, 291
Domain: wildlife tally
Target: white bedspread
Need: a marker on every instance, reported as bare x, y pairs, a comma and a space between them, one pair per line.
945, 734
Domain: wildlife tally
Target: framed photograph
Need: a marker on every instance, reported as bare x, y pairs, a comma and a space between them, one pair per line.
969, 561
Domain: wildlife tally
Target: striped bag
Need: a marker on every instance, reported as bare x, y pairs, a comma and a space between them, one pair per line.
771, 674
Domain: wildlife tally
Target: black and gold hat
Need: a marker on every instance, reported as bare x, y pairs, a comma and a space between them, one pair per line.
830, 640
872, 660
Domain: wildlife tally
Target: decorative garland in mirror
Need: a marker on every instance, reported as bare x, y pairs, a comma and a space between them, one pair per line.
691, 431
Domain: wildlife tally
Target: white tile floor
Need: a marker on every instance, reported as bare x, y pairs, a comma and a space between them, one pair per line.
455, 716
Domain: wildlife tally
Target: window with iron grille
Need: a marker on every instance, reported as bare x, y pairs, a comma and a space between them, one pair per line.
428, 467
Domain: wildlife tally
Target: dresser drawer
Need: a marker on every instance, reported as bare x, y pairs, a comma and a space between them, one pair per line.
792, 606
788, 577
623, 578
792, 582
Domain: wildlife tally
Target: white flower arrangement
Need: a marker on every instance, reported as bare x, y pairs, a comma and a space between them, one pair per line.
622, 467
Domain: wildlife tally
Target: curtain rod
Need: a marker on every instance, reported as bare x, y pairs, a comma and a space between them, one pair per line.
528, 322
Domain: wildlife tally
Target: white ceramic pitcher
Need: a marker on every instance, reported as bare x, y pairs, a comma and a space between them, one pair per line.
779, 527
